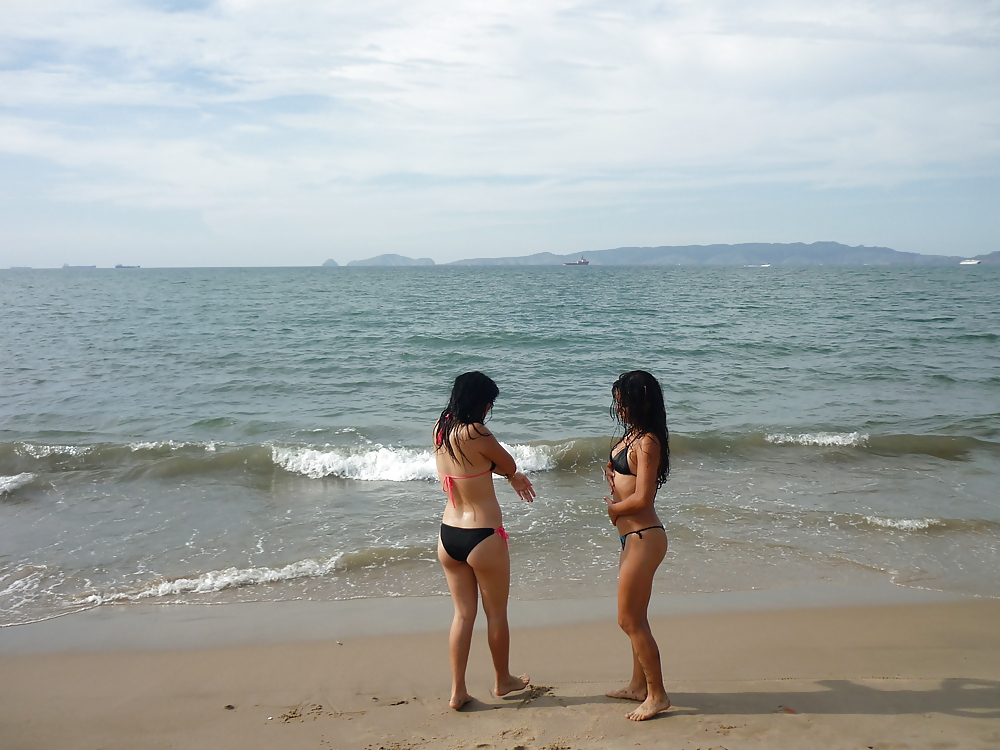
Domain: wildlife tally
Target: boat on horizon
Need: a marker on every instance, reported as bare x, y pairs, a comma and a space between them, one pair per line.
121, 266
67, 265
969, 262
582, 262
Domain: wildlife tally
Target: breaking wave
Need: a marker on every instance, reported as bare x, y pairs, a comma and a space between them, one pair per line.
16, 482
44, 451
232, 578
370, 462
392, 464
824, 439
905, 524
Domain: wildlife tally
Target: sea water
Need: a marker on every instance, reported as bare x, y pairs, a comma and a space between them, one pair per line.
218, 435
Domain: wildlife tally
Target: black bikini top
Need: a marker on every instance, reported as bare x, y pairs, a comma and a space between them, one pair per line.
619, 462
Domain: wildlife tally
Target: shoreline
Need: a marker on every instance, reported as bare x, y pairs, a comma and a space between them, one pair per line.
903, 675
148, 627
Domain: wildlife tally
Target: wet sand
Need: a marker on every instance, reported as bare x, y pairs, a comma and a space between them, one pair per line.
893, 676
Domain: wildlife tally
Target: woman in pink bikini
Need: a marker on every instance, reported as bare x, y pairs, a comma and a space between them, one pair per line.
472, 547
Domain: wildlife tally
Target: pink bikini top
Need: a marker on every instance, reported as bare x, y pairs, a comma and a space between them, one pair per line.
448, 482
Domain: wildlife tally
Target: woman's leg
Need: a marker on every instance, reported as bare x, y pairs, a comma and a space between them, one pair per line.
491, 563
465, 596
636, 690
639, 562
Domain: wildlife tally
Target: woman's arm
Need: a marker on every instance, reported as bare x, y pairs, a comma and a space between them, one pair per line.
647, 459
504, 464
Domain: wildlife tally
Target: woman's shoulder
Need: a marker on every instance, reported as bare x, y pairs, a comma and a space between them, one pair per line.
471, 431
647, 442
477, 430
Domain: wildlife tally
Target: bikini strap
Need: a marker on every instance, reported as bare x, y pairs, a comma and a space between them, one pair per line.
448, 483
639, 532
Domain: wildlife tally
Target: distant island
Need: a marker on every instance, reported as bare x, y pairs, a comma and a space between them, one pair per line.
746, 254
391, 259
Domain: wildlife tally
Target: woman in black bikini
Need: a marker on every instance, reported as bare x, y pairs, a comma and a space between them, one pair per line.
638, 467
472, 547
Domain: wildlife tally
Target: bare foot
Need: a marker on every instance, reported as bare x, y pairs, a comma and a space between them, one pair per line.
628, 694
459, 699
511, 684
649, 709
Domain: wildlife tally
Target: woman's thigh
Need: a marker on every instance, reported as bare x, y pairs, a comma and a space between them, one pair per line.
461, 582
490, 562
639, 562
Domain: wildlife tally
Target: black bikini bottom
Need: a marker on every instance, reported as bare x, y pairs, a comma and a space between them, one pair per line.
458, 543
637, 533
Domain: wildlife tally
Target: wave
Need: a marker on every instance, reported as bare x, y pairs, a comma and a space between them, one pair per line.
950, 447
171, 445
16, 482
164, 457
387, 464
946, 526
820, 522
823, 439
44, 451
906, 524
214, 581
363, 461
380, 463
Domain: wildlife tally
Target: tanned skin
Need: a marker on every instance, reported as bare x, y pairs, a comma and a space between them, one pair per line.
630, 508
487, 570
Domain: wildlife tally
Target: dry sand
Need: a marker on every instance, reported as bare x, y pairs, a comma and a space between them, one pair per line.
900, 676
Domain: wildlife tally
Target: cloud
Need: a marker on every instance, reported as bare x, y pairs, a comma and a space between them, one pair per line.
436, 113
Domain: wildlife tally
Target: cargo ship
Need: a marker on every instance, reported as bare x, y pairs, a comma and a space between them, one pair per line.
581, 262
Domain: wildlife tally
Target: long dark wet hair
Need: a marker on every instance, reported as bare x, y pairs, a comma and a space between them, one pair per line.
637, 406
471, 396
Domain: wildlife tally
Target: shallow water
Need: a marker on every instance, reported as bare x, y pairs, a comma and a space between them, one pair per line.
247, 434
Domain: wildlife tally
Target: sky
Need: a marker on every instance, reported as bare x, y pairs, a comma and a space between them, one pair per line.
284, 133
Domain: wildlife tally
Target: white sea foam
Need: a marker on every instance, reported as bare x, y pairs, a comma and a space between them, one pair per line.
43, 451
28, 594
825, 439
904, 524
535, 457
10, 483
218, 580
20, 585
380, 463
171, 444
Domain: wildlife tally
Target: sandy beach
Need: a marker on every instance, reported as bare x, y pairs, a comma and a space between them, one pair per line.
893, 676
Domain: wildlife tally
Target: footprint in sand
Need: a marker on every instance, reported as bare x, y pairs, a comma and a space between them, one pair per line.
533, 693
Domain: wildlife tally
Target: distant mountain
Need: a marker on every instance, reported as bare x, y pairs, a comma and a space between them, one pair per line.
538, 259
991, 259
331, 263
746, 254
392, 260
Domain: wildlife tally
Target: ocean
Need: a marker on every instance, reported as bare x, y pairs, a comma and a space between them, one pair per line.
207, 436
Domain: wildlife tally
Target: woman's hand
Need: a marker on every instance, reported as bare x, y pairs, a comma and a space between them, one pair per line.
611, 512
522, 486
609, 476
